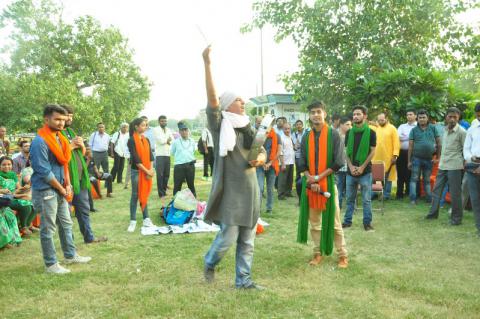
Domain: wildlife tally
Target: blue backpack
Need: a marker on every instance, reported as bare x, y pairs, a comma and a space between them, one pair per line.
175, 216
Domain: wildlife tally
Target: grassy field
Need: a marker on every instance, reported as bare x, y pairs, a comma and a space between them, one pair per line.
407, 268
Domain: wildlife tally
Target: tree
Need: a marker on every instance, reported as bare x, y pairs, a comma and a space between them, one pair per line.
336, 38
81, 64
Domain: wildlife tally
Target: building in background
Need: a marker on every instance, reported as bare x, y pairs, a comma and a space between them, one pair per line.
279, 105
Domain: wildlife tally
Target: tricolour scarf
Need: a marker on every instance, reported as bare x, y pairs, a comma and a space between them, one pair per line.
144, 183
60, 148
314, 200
364, 147
228, 138
274, 151
77, 185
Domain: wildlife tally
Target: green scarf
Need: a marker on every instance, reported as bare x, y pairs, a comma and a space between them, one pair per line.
73, 167
9, 175
364, 147
328, 216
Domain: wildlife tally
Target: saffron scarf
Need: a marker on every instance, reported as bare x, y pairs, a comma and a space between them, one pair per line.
144, 183
364, 147
77, 185
274, 151
325, 157
60, 148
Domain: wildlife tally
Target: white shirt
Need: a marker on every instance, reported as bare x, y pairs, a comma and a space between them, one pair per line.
287, 150
207, 137
162, 148
404, 133
297, 140
475, 123
472, 143
99, 142
120, 140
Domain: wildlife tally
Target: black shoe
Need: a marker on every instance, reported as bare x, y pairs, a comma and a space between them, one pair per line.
209, 274
430, 216
345, 225
368, 227
93, 210
268, 211
253, 286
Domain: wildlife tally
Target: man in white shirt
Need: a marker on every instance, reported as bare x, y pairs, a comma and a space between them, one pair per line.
99, 141
471, 153
163, 139
208, 155
118, 146
297, 143
285, 178
403, 181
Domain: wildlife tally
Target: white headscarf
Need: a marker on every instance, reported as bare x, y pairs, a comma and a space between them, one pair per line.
230, 121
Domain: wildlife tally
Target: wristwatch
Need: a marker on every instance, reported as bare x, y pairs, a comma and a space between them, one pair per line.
316, 178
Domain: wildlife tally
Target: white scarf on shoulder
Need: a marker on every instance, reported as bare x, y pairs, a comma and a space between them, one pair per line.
228, 137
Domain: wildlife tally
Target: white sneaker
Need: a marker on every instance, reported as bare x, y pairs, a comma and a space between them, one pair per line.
57, 269
131, 227
147, 222
77, 259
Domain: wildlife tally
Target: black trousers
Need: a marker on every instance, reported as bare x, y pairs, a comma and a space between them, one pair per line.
108, 182
181, 173
118, 165
403, 180
208, 161
162, 166
285, 181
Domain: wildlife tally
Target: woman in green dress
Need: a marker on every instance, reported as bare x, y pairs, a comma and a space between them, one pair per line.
9, 184
9, 234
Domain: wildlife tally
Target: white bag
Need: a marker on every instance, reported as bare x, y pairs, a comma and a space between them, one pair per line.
184, 200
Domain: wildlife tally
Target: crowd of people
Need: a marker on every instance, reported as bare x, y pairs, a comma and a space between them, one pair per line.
327, 162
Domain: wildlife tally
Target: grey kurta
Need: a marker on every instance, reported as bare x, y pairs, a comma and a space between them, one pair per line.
234, 197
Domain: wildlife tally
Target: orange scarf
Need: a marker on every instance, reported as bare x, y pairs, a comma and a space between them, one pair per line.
144, 183
316, 200
274, 150
61, 152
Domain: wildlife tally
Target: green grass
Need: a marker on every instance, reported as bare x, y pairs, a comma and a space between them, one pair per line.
407, 268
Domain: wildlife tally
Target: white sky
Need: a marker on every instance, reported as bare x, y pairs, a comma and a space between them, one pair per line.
168, 48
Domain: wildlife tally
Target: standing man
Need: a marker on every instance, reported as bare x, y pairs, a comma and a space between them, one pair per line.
341, 174
387, 151
281, 120
163, 140
424, 140
183, 151
471, 152
99, 142
79, 179
360, 142
297, 142
208, 157
118, 146
403, 181
450, 168
4, 142
285, 178
149, 134
336, 121
234, 183
322, 155
51, 154
22, 160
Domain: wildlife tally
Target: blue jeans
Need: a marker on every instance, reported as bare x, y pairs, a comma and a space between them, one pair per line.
82, 211
53, 210
365, 183
424, 167
474, 188
134, 198
244, 237
270, 175
341, 181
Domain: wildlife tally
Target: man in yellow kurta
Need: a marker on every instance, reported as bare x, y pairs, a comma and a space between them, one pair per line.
388, 149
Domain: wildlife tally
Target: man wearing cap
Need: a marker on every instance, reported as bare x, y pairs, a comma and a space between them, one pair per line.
234, 201
183, 150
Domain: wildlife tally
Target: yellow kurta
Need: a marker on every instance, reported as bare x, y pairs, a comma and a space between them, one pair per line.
388, 145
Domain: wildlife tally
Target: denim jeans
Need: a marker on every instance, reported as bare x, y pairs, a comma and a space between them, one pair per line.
53, 210
341, 181
270, 175
134, 198
244, 237
424, 167
365, 183
474, 188
82, 211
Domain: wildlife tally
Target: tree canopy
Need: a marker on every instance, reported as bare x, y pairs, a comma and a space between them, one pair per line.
339, 38
81, 63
